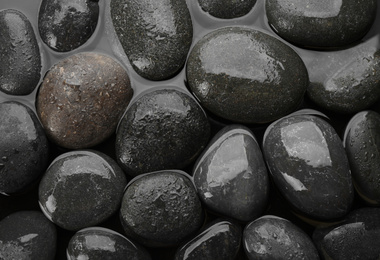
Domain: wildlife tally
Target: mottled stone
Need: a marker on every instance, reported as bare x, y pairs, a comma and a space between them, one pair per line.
227, 9
155, 35
27, 235
20, 67
23, 148
309, 166
81, 189
163, 129
161, 209
321, 24
271, 237
246, 76
64, 25
231, 177
106, 244
82, 99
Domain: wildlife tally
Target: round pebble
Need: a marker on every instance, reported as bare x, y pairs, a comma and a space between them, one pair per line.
227, 9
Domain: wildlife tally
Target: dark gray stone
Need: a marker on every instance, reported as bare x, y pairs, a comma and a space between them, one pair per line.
246, 76
155, 35
227, 9
321, 24
163, 129
20, 67
231, 177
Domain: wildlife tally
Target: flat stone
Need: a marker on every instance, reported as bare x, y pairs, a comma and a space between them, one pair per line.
227, 9
246, 76
231, 176
155, 35
20, 68
82, 99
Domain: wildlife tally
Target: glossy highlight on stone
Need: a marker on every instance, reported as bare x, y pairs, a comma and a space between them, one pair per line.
227, 9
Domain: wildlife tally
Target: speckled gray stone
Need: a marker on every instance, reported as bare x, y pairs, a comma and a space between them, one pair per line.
227, 9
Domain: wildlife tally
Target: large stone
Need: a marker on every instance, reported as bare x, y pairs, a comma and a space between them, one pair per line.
227, 9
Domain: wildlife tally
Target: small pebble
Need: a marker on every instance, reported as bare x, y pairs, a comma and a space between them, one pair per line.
227, 9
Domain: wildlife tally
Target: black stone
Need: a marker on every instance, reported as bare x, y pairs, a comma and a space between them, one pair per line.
163, 129
321, 24
81, 189
309, 166
106, 244
246, 76
227, 9
161, 209
64, 25
20, 67
271, 237
24, 148
27, 235
155, 35
231, 177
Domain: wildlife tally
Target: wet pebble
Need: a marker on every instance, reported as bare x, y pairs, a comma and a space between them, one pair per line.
231, 177
82, 99
163, 129
20, 68
227, 9
245, 75
65, 25
155, 35
27, 235
161, 209
24, 148
81, 189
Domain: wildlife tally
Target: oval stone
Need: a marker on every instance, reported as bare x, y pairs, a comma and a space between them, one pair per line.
321, 24
103, 243
155, 35
163, 129
227, 9
231, 177
309, 166
246, 76
81, 189
271, 237
27, 235
82, 99
65, 25
20, 68
24, 148
161, 209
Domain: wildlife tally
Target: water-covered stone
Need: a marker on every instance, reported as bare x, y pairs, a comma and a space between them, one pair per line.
271, 237
155, 35
231, 177
64, 25
27, 235
309, 166
246, 76
219, 240
103, 243
321, 24
227, 9
20, 67
81, 189
161, 209
23, 148
82, 99
163, 129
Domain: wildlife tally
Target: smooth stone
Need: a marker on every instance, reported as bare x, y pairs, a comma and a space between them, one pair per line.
163, 129
161, 209
20, 68
103, 243
246, 76
321, 24
271, 237
82, 99
155, 35
65, 25
219, 240
27, 235
227, 9
309, 166
81, 189
362, 144
231, 176
24, 148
